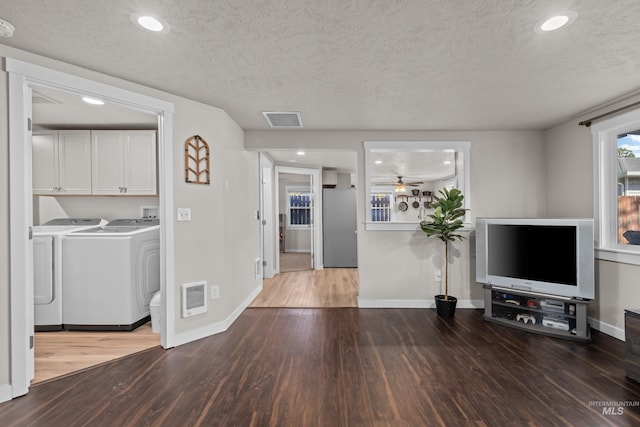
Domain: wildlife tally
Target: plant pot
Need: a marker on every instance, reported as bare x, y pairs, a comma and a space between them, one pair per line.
445, 308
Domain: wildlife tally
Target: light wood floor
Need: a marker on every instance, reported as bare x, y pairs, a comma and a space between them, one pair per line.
294, 261
330, 287
62, 352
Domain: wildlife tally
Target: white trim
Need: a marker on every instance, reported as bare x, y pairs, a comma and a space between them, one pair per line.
218, 327
69, 83
5, 393
605, 178
20, 219
300, 251
606, 328
414, 303
21, 76
617, 255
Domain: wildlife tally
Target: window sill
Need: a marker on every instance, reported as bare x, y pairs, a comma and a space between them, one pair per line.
618, 255
298, 227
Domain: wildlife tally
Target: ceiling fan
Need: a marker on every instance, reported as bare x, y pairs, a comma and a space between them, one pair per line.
400, 186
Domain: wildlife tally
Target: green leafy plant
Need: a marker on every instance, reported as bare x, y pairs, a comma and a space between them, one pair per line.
446, 219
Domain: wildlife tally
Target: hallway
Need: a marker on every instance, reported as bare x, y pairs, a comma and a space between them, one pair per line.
330, 287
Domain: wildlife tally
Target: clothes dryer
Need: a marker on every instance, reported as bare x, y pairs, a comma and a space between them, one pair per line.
111, 274
47, 268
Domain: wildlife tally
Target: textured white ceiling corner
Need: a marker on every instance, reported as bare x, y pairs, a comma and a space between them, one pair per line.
358, 64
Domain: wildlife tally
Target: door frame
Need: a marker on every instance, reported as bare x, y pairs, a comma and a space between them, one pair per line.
268, 227
317, 201
22, 76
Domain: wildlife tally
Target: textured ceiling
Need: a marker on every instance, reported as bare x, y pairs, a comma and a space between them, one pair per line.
357, 64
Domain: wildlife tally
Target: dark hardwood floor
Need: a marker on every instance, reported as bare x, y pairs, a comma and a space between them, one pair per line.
347, 367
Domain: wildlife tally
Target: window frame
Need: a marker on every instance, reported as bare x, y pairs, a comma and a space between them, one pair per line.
605, 157
303, 190
462, 181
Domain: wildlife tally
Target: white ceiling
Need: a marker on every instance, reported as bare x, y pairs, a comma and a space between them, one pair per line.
357, 64
354, 65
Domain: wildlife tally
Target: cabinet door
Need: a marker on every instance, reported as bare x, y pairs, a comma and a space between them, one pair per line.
45, 162
140, 162
107, 162
74, 161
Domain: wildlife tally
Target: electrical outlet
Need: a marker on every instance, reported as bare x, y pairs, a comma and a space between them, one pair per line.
214, 292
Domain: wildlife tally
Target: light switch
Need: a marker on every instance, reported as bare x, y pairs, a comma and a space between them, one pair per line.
184, 214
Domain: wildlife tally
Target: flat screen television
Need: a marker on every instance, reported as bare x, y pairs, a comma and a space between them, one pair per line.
548, 256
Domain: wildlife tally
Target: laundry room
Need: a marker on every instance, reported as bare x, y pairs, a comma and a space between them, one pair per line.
96, 228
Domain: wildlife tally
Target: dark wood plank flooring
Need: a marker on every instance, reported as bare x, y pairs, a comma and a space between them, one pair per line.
346, 367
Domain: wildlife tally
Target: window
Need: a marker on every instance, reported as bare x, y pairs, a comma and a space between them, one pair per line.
401, 178
299, 204
381, 207
617, 162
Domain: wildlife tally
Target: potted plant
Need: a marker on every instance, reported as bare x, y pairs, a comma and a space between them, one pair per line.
445, 221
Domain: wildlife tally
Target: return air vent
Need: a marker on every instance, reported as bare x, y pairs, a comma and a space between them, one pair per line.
283, 119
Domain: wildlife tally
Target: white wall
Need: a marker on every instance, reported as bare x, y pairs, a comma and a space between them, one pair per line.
221, 242
570, 193
508, 178
46, 208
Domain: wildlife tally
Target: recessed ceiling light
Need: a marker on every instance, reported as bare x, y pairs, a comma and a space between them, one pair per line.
447, 162
555, 22
378, 162
150, 23
301, 153
92, 101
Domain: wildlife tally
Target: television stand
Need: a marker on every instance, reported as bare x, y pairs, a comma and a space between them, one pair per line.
551, 315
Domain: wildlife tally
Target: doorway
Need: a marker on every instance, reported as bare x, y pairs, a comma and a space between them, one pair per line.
22, 78
62, 126
305, 285
297, 207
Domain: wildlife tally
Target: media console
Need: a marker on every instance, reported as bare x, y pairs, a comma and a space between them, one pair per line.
551, 315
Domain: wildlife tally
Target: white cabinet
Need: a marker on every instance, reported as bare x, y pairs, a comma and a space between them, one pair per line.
123, 162
61, 162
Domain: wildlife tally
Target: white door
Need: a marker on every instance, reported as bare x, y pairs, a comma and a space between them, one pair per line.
269, 237
140, 162
107, 163
74, 161
45, 162
312, 197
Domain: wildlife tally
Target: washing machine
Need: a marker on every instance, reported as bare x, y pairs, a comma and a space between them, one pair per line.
110, 275
47, 268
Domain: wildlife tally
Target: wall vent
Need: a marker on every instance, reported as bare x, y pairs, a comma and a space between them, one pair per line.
283, 119
194, 298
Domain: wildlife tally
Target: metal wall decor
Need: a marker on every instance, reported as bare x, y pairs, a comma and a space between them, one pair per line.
196, 161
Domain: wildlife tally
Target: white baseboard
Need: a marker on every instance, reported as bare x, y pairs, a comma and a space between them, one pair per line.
218, 327
606, 328
298, 251
414, 303
5, 392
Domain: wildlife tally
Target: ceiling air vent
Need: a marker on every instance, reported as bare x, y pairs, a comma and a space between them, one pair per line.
283, 119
